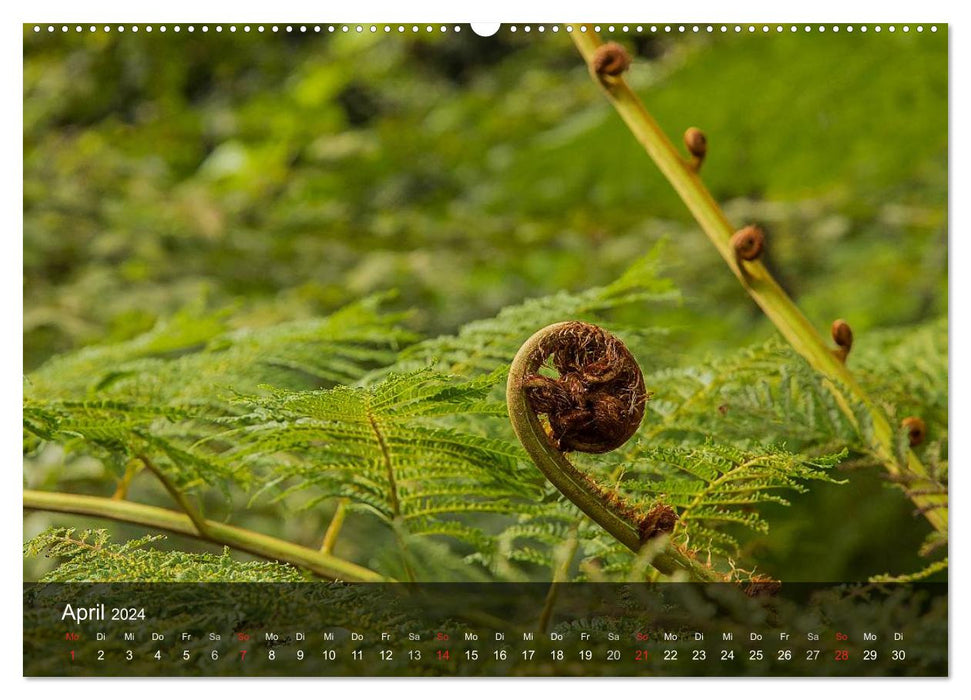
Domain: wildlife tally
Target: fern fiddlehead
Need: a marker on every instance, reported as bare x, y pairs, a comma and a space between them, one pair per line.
595, 405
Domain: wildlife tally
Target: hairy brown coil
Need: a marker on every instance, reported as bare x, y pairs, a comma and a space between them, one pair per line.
597, 402
610, 59
748, 242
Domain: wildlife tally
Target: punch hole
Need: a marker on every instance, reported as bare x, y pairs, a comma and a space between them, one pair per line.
485, 29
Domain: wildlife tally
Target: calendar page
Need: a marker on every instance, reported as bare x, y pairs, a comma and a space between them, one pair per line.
451, 350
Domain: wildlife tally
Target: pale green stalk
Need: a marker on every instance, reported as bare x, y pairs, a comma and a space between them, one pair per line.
758, 281
270, 548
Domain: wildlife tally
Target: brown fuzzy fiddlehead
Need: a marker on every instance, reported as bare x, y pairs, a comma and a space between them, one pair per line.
595, 404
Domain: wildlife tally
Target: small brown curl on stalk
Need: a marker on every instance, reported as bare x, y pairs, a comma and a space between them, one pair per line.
748, 243
660, 520
697, 144
916, 430
843, 337
609, 62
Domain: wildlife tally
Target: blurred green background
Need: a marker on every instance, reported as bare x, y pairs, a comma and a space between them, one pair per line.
282, 175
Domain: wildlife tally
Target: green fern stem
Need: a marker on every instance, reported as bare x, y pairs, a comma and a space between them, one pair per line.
334, 529
198, 521
756, 279
603, 506
270, 548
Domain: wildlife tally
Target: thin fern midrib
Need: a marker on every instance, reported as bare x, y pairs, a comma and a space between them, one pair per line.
393, 500
711, 486
96, 548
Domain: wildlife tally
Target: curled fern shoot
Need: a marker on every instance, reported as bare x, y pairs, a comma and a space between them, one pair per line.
595, 405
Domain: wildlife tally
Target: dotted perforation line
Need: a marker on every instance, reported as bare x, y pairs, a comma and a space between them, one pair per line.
739, 28
257, 28
429, 28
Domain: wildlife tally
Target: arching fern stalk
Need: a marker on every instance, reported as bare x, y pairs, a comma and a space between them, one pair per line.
741, 250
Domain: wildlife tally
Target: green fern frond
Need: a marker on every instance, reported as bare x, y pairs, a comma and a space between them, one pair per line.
89, 555
926, 572
193, 359
386, 448
717, 484
766, 391
162, 395
117, 432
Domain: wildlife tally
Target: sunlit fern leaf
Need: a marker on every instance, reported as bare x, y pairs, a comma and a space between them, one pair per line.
213, 363
117, 431
770, 392
89, 555
767, 392
159, 395
716, 489
714, 485
907, 368
385, 448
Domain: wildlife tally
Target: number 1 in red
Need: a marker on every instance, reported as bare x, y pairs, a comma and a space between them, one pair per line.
242, 654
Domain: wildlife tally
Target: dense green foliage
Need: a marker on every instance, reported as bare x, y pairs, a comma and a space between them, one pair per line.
290, 272
91, 554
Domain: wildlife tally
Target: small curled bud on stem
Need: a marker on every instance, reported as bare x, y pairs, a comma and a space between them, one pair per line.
697, 144
843, 337
748, 243
915, 428
610, 61
594, 405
